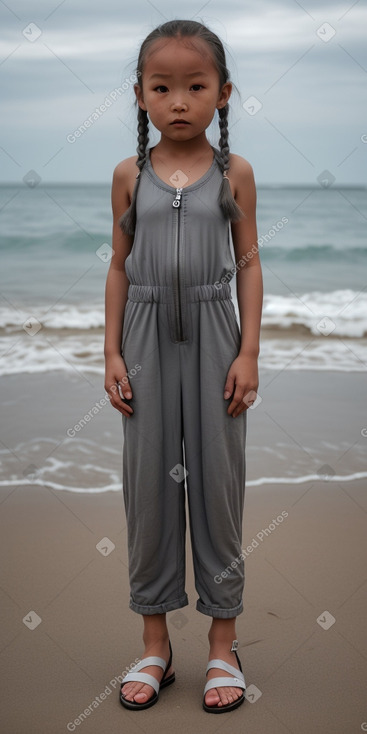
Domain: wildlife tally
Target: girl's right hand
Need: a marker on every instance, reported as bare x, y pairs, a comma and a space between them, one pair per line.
115, 379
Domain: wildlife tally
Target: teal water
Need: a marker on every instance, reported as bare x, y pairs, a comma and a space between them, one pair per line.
312, 244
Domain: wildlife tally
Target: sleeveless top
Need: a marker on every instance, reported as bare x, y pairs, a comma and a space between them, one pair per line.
181, 247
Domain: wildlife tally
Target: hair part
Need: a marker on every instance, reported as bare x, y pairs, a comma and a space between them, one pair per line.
184, 29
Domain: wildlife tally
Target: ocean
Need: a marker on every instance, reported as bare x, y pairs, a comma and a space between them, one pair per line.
313, 250
55, 241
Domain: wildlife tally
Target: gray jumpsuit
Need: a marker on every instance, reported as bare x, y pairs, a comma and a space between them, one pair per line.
180, 336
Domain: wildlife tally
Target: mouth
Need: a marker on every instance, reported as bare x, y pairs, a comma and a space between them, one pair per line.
179, 122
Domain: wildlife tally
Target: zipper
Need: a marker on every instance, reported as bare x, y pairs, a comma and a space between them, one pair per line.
176, 286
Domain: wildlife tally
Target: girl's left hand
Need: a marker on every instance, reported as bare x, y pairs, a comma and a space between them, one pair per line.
243, 379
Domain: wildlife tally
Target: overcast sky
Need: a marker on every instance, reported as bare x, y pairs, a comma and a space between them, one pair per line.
303, 62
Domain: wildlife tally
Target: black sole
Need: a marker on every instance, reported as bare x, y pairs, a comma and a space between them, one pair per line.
223, 709
134, 706
229, 706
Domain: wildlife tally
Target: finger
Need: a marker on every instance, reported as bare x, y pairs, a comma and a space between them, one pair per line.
249, 397
228, 387
125, 388
247, 400
117, 402
236, 400
125, 393
241, 408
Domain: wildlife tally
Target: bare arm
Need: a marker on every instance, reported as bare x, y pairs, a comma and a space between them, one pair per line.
243, 376
116, 289
249, 275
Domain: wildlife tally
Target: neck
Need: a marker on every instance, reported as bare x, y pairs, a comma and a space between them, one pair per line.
183, 149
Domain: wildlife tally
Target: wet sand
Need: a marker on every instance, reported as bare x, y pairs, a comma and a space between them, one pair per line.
302, 636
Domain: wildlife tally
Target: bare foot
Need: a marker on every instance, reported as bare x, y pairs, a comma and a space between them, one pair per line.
142, 692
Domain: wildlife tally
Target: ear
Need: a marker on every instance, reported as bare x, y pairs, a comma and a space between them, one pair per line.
139, 96
224, 95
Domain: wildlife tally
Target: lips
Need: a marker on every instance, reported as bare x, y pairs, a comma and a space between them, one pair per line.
180, 121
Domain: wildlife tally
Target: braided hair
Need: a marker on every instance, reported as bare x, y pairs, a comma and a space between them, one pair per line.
185, 29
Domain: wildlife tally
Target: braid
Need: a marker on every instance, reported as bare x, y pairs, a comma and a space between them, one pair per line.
184, 29
227, 203
127, 221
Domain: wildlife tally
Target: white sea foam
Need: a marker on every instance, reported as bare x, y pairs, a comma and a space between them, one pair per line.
85, 466
327, 332
83, 354
59, 316
346, 309
116, 486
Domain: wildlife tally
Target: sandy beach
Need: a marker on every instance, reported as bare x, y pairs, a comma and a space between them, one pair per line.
67, 634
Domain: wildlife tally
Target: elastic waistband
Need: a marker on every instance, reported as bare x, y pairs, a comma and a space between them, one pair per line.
164, 294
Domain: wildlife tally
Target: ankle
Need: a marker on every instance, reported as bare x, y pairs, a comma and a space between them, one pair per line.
155, 638
221, 636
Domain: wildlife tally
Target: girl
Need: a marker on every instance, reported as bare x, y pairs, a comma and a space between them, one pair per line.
178, 368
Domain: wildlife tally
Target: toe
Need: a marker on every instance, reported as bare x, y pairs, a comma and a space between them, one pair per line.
126, 691
144, 694
228, 695
223, 695
232, 694
131, 690
212, 697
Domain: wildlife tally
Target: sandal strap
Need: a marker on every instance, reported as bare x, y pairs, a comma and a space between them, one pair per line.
217, 663
152, 660
225, 681
135, 676
142, 678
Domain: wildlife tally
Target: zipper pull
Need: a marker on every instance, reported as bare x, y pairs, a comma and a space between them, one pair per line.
177, 201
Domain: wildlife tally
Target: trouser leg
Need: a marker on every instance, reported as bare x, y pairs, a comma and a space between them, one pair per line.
215, 461
153, 486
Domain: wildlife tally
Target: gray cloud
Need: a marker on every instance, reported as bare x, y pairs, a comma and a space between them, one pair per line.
310, 86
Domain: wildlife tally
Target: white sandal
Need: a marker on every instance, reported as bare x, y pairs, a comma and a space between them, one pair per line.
137, 677
238, 681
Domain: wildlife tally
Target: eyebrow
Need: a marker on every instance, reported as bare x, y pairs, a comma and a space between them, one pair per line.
165, 76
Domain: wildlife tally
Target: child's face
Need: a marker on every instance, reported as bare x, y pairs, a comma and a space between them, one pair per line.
181, 82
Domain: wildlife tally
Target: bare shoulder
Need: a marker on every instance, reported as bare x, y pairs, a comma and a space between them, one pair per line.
124, 175
123, 181
240, 167
125, 168
241, 174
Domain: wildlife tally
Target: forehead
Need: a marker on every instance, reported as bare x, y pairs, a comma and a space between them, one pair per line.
179, 55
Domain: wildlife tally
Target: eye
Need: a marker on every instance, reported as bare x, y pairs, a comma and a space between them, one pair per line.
161, 86
197, 85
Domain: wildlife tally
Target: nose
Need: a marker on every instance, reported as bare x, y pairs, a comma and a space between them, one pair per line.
179, 106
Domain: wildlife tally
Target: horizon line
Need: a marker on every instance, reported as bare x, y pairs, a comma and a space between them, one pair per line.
21, 184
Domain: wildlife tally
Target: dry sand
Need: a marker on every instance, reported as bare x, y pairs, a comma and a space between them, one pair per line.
305, 672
